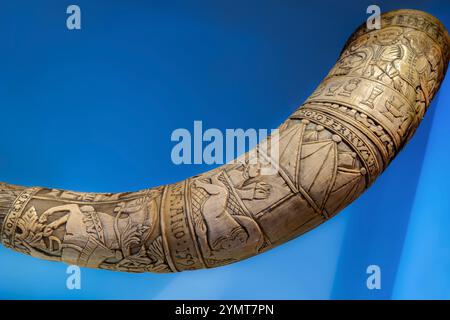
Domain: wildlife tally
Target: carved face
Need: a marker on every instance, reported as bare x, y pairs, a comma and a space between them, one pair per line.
351, 61
416, 42
253, 170
433, 56
131, 206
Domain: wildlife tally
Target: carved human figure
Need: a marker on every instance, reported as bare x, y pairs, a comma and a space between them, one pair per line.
223, 229
91, 237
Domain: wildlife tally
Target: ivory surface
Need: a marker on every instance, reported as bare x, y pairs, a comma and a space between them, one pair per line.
331, 149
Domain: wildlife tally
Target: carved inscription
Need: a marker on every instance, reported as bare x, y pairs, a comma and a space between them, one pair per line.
176, 229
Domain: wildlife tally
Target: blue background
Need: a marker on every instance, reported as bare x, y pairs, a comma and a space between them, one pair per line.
93, 110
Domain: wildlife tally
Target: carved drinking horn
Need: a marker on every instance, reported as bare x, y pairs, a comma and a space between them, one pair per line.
329, 151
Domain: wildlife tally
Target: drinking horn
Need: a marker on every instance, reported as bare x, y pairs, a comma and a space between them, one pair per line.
329, 151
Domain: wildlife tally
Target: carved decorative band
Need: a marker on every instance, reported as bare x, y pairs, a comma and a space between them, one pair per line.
393, 111
411, 19
362, 122
356, 140
176, 231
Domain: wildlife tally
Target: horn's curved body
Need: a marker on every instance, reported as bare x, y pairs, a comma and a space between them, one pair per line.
331, 149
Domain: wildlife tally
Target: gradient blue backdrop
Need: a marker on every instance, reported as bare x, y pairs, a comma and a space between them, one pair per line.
93, 110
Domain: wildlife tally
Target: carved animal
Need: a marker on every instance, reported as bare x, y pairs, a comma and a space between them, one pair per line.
330, 150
